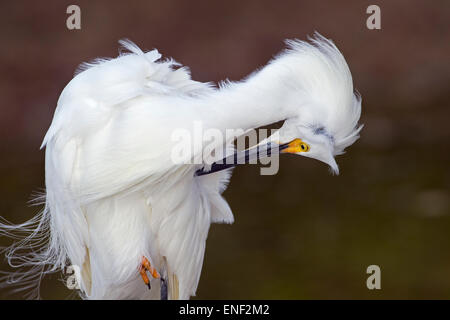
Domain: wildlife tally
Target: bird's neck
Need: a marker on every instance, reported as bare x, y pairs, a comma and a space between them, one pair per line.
262, 99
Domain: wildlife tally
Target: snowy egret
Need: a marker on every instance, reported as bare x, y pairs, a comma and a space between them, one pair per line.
119, 208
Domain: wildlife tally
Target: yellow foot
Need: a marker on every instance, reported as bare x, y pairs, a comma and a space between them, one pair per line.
146, 266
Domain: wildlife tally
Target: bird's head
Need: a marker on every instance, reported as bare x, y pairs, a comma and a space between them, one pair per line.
327, 109
312, 87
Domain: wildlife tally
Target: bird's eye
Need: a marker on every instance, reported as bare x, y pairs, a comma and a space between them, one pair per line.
304, 147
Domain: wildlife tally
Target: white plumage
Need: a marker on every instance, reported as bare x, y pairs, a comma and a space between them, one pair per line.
113, 194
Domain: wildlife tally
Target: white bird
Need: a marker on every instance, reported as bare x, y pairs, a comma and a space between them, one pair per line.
117, 206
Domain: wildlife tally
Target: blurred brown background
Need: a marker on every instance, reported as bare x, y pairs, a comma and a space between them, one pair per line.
303, 233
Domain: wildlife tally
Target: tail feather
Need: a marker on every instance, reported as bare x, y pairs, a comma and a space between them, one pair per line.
31, 253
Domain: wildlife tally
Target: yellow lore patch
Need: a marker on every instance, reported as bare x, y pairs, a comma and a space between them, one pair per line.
296, 146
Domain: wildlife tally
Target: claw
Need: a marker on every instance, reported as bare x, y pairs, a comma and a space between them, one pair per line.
146, 266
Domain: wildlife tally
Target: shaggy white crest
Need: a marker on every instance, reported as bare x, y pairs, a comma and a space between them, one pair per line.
113, 194
328, 83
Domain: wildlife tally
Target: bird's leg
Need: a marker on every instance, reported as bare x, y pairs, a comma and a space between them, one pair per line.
163, 289
146, 266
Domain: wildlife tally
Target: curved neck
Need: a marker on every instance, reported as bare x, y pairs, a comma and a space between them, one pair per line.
260, 100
